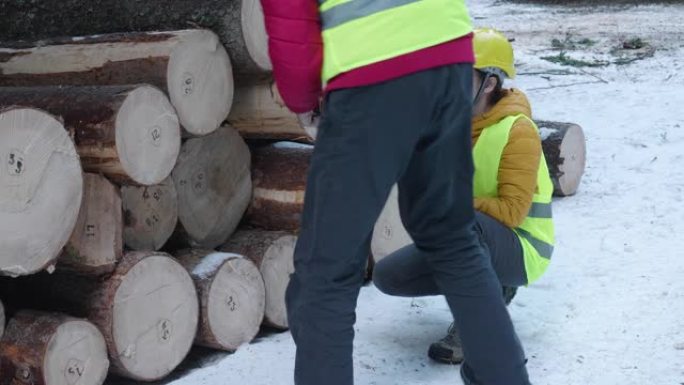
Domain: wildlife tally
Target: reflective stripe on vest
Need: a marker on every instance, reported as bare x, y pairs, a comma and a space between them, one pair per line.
536, 233
357, 33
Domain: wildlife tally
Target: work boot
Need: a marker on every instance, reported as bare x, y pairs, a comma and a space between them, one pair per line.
448, 350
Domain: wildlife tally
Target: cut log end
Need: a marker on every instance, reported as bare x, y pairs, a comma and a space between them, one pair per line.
273, 253
389, 233
254, 33
564, 147
232, 298
147, 135
214, 186
53, 349
236, 303
41, 185
200, 82
155, 315
96, 244
276, 268
150, 214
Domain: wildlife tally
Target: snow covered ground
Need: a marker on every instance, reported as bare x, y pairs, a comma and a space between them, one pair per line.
610, 310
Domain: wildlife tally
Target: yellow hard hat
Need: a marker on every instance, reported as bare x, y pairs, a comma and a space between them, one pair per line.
493, 52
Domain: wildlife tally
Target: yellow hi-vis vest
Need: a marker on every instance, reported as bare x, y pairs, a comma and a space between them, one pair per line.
357, 33
536, 233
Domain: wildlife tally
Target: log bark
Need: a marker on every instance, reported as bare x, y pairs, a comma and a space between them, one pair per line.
565, 152
190, 65
279, 174
52, 349
273, 253
214, 186
150, 214
96, 244
147, 310
41, 187
257, 114
128, 133
239, 23
231, 295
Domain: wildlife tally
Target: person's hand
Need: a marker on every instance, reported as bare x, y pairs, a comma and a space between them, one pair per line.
309, 121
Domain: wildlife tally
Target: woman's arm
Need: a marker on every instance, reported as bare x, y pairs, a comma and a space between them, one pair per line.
517, 177
296, 50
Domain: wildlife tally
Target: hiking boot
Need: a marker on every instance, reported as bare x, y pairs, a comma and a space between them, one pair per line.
448, 350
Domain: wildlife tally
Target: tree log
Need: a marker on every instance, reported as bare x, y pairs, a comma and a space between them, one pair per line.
150, 214
128, 133
52, 349
214, 187
389, 233
147, 310
257, 114
273, 253
279, 174
231, 295
41, 187
565, 151
191, 66
239, 23
96, 244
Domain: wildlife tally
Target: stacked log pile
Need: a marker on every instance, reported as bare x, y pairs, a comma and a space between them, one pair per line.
146, 204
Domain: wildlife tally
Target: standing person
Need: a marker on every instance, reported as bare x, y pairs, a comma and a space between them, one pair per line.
398, 81
512, 190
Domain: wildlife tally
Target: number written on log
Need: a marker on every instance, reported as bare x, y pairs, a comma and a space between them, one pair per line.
90, 230
155, 135
232, 305
188, 84
164, 328
74, 371
15, 162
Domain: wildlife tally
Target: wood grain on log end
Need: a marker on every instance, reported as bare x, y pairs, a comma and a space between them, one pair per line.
53, 349
150, 214
232, 297
214, 186
273, 253
41, 187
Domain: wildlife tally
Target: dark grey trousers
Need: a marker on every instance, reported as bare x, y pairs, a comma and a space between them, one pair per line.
406, 273
413, 130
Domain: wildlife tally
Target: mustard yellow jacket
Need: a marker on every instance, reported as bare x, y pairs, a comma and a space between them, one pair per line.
519, 161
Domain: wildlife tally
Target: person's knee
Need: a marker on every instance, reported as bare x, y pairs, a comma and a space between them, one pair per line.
384, 278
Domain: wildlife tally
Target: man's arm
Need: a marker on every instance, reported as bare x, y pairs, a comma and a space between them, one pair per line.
296, 50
